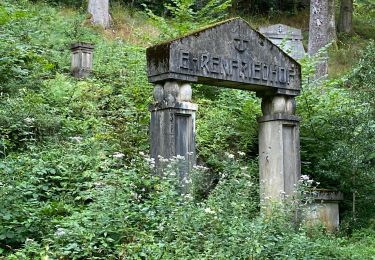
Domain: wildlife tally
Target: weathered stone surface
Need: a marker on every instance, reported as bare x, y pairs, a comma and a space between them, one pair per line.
328, 195
287, 38
229, 54
82, 54
345, 22
322, 24
99, 10
325, 209
322, 31
279, 156
172, 126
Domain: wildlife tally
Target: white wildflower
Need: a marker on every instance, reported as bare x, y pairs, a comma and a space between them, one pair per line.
29, 120
77, 139
241, 153
172, 173
29, 240
229, 155
188, 196
180, 157
60, 232
186, 180
209, 211
98, 184
118, 155
200, 167
149, 160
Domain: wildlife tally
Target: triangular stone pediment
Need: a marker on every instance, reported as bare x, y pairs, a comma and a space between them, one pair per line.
229, 54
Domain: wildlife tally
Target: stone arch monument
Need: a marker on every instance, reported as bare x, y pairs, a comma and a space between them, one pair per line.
228, 54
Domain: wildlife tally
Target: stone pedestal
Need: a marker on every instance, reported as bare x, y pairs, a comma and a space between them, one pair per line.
325, 209
82, 54
279, 156
172, 127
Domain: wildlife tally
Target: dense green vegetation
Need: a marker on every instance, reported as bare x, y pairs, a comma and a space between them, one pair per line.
75, 179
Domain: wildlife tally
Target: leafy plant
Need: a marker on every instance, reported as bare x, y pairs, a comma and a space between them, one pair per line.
185, 18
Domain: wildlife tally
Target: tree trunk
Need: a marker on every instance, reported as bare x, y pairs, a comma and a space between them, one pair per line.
322, 31
99, 9
345, 23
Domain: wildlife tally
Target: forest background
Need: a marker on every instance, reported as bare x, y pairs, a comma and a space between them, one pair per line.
75, 178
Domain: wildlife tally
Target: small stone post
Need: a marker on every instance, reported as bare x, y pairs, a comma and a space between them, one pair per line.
279, 157
82, 55
172, 127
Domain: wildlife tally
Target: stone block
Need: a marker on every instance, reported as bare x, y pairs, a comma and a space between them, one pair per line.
325, 209
287, 38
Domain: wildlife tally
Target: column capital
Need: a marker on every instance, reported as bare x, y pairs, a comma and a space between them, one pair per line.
172, 91
173, 94
278, 107
278, 104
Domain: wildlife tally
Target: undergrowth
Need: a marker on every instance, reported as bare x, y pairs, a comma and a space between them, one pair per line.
75, 182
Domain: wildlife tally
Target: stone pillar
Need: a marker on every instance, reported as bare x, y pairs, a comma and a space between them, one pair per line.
279, 155
172, 127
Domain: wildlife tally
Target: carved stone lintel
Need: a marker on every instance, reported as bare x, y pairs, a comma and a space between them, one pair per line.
229, 54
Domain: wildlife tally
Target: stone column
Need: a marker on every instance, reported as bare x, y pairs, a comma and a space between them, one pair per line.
279, 156
172, 127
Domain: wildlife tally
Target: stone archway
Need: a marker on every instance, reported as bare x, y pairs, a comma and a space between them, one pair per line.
228, 54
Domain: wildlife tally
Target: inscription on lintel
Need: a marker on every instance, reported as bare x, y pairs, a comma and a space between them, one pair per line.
245, 70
